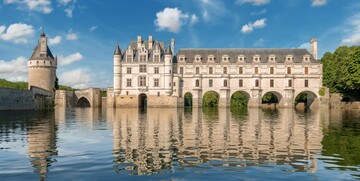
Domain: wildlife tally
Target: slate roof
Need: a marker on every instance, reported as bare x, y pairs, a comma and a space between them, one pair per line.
133, 46
117, 50
37, 56
248, 53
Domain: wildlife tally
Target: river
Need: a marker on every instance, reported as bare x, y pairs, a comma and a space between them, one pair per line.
178, 144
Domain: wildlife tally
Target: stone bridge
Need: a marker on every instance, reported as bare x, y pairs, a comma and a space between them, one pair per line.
80, 98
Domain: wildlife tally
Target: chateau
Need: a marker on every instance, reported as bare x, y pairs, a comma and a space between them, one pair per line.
150, 74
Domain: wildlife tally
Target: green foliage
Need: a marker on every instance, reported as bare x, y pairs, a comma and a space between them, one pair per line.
188, 100
302, 97
322, 91
13, 85
239, 99
210, 99
103, 93
67, 88
269, 98
341, 70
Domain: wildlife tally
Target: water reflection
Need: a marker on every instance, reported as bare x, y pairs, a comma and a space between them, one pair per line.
161, 139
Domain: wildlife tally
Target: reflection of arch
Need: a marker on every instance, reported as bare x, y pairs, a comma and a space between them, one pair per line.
210, 99
239, 99
83, 102
142, 101
271, 97
307, 97
188, 100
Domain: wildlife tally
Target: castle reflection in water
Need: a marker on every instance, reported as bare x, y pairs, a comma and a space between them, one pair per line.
162, 140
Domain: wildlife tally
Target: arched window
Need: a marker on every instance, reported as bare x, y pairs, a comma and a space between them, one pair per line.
225, 83
256, 70
306, 70
290, 83
225, 70
210, 70
271, 70
197, 83
289, 70
197, 70
256, 83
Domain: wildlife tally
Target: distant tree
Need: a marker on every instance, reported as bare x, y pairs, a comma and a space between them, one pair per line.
210, 99
13, 85
239, 99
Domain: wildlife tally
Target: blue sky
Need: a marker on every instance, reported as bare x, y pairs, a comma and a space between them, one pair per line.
84, 33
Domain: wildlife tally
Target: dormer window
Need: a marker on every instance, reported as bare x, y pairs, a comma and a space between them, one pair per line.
272, 58
197, 58
211, 58
129, 58
156, 58
225, 58
181, 58
289, 58
256, 58
306, 58
241, 58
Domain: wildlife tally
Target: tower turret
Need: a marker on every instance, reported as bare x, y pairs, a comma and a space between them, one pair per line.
168, 58
117, 70
42, 66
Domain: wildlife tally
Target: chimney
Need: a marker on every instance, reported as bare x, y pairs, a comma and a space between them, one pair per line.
139, 42
162, 45
313, 46
172, 45
150, 42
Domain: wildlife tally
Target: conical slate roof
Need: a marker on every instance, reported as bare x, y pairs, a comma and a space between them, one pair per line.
117, 50
168, 50
37, 56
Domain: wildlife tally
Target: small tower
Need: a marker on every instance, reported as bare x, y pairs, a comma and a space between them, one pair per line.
313, 46
42, 66
168, 70
117, 70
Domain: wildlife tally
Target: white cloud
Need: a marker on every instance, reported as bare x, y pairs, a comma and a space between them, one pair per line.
253, 2
211, 10
352, 36
66, 60
43, 6
259, 42
64, 2
248, 28
77, 78
14, 70
172, 19
71, 35
18, 33
56, 40
93, 28
69, 11
305, 45
319, 2
194, 19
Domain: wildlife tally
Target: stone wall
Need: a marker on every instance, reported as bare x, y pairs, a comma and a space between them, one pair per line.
33, 99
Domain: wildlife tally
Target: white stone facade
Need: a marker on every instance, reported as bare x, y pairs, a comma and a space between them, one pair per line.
147, 69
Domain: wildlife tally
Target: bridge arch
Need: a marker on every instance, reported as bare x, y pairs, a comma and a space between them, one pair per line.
239, 99
271, 97
142, 101
210, 99
83, 102
188, 99
307, 97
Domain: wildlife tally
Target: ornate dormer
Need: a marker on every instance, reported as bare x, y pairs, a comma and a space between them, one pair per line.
241, 58
181, 58
225, 59
143, 54
306, 58
211, 59
197, 59
129, 54
272, 58
256, 58
289, 59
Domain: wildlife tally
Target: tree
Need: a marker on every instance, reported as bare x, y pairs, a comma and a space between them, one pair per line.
239, 99
210, 99
269, 98
188, 100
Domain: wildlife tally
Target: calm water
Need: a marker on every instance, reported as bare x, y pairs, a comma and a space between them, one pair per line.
165, 144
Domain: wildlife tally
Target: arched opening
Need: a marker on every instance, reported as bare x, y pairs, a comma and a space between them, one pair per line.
142, 101
271, 99
210, 99
239, 99
83, 102
188, 100
304, 100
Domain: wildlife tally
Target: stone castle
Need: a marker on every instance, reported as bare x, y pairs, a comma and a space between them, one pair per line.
149, 74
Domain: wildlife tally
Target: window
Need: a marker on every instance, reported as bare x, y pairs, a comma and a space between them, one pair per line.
197, 70
210, 83
256, 71
306, 83
290, 83
174, 84
129, 58
128, 82
142, 58
156, 70
271, 70
306, 70
225, 83
142, 68
271, 83
158, 94
289, 70
127, 93
256, 83
181, 70
181, 84
197, 83
240, 70
210, 70
156, 82
225, 70
156, 58
142, 81
241, 84
128, 70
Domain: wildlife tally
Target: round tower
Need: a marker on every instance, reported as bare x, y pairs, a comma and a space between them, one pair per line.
168, 70
42, 67
117, 70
